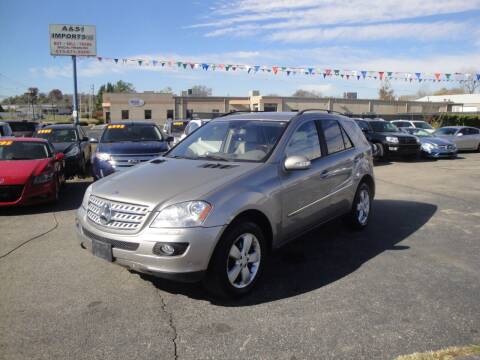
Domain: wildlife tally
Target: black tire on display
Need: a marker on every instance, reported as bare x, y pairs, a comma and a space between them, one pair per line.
382, 156
238, 260
361, 208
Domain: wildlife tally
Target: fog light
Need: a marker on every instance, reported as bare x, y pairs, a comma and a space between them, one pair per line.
167, 249
393, 148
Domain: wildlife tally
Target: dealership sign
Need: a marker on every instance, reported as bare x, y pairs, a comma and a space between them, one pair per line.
79, 40
136, 102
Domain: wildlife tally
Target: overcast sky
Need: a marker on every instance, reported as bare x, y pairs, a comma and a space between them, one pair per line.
383, 35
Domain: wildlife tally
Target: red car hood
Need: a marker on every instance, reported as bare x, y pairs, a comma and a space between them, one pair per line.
17, 172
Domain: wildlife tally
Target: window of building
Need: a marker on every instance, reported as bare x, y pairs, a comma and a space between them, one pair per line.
124, 114
333, 136
148, 114
304, 142
169, 114
189, 113
107, 116
270, 107
215, 111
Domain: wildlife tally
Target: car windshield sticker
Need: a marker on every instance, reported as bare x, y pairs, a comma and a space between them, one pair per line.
116, 126
45, 131
6, 143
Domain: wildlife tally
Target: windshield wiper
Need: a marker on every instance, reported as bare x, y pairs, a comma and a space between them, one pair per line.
214, 157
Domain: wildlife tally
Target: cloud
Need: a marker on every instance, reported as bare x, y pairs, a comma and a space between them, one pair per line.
323, 20
418, 31
324, 89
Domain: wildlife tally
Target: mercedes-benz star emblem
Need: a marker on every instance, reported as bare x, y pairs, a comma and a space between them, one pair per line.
105, 214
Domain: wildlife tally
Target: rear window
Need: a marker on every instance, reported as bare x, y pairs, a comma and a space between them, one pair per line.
23, 150
22, 126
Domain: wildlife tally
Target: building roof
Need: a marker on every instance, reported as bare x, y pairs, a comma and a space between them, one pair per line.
457, 98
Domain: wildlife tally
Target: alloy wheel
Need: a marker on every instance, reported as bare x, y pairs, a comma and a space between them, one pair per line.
363, 206
243, 260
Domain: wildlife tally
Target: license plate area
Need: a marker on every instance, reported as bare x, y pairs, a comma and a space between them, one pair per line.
102, 250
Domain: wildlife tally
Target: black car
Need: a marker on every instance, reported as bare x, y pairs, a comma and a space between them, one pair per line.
390, 141
23, 128
71, 140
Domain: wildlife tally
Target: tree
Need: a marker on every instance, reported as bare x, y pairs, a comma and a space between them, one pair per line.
167, 90
123, 87
201, 90
452, 91
307, 93
55, 96
386, 92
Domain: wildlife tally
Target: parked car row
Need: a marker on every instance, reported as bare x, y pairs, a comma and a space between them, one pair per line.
418, 138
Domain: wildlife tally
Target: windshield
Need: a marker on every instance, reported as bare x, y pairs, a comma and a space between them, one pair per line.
234, 140
446, 131
422, 125
57, 135
23, 150
419, 132
135, 133
383, 126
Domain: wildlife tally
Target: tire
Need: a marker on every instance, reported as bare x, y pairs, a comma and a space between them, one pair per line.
240, 266
381, 155
478, 147
360, 214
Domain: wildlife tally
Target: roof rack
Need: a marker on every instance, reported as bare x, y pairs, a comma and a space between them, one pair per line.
316, 110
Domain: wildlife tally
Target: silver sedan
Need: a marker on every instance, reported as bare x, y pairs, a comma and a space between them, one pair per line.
465, 137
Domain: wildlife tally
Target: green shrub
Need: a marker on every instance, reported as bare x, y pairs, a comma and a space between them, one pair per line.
450, 119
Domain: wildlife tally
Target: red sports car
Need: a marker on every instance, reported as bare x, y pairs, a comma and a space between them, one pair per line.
30, 171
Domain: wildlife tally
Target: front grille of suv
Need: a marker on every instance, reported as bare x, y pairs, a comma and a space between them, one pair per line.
116, 215
117, 244
10, 193
407, 140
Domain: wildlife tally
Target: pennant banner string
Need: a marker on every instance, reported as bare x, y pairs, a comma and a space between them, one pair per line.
307, 71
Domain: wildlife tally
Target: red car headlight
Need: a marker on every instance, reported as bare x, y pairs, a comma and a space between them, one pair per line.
43, 177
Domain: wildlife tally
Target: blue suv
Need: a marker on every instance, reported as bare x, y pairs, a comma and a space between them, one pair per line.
124, 144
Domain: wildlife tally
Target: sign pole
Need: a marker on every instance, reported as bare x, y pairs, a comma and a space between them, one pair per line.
75, 94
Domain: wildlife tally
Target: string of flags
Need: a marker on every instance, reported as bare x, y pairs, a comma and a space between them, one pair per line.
309, 71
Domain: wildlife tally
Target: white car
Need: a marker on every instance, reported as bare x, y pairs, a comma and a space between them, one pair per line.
192, 126
414, 124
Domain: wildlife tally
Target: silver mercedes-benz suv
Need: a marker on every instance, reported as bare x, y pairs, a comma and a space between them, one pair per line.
216, 204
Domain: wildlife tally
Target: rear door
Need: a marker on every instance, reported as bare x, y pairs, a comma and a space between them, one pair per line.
462, 139
472, 138
304, 192
340, 160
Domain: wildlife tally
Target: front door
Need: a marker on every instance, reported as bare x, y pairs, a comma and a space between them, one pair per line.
303, 191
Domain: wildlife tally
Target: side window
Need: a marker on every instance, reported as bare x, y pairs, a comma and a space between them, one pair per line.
474, 131
333, 136
346, 139
304, 142
463, 131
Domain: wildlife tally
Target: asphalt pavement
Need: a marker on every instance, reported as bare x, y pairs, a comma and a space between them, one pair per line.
409, 283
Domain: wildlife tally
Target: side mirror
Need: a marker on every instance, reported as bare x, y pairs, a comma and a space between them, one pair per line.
460, 134
59, 156
170, 139
296, 162
93, 141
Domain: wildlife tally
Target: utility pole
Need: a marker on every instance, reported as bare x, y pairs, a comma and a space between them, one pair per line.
75, 93
93, 101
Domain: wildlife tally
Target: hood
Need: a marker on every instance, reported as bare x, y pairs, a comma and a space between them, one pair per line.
397, 134
435, 140
154, 183
63, 147
17, 172
131, 147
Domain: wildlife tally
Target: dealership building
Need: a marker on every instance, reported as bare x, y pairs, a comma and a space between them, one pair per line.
159, 107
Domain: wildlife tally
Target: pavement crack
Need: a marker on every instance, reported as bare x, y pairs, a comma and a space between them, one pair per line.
33, 238
171, 324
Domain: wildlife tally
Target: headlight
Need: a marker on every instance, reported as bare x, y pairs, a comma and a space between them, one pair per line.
187, 214
43, 178
429, 146
74, 151
103, 156
86, 196
392, 139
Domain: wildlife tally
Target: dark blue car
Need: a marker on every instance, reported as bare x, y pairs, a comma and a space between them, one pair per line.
124, 144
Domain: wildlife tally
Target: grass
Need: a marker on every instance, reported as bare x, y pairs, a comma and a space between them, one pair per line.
443, 354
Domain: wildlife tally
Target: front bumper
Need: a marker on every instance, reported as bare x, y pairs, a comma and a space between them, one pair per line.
190, 266
402, 149
33, 194
437, 154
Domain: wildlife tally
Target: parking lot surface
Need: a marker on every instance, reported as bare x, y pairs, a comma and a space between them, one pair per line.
409, 283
